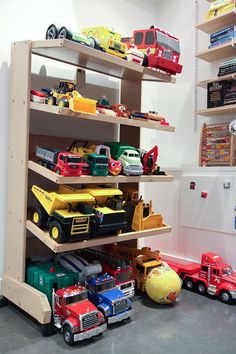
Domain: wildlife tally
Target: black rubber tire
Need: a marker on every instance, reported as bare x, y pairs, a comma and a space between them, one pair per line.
61, 231
94, 42
68, 335
52, 32
201, 288
188, 284
62, 102
42, 217
48, 329
64, 33
51, 101
3, 301
225, 297
145, 61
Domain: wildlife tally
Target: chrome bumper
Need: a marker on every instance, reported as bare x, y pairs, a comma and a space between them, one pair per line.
120, 317
90, 333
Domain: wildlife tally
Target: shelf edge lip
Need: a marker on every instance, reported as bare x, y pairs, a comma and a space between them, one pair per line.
217, 110
202, 53
227, 77
62, 247
52, 176
201, 25
102, 118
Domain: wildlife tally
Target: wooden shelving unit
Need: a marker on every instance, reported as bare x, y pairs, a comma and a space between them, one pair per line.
204, 83
20, 231
229, 109
214, 24
218, 53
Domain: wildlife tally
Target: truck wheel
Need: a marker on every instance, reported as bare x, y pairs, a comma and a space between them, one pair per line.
48, 329
201, 288
62, 102
57, 232
68, 335
51, 100
188, 284
52, 32
94, 42
39, 217
65, 33
3, 301
225, 296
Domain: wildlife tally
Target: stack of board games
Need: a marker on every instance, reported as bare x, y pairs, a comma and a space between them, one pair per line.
225, 35
227, 67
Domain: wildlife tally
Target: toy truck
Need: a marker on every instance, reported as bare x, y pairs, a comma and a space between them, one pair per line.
61, 162
143, 261
68, 216
102, 291
212, 276
161, 48
114, 167
65, 95
109, 216
120, 269
128, 156
72, 313
106, 38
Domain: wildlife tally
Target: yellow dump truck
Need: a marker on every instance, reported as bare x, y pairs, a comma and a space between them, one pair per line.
67, 216
108, 39
143, 261
108, 209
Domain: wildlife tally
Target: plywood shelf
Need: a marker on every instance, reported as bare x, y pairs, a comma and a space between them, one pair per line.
216, 23
229, 109
218, 53
54, 177
215, 79
103, 118
84, 57
96, 241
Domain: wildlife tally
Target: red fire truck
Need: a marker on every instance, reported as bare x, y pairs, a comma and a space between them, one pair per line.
120, 269
161, 48
212, 276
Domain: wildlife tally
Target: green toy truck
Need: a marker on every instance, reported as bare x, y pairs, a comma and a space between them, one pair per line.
128, 156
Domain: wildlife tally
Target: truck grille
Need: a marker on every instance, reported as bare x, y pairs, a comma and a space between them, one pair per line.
135, 167
89, 320
80, 225
167, 55
120, 306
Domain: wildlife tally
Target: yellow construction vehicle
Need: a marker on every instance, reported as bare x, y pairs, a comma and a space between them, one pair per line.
143, 261
68, 216
65, 95
144, 217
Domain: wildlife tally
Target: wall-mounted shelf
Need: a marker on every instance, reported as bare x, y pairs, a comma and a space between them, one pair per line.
65, 112
98, 241
218, 53
214, 24
229, 109
54, 177
84, 57
228, 77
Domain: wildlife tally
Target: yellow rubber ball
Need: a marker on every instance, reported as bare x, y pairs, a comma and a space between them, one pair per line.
163, 285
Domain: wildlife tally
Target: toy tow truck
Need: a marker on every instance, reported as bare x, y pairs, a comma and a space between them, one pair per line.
61, 162
102, 291
212, 276
72, 313
119, 268
143, 261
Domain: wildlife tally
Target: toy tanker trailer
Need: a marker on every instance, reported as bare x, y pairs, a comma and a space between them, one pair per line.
72, 313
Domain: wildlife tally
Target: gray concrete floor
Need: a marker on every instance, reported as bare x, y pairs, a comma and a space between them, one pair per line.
196, 325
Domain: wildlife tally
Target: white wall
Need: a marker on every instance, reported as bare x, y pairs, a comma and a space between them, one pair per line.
29, 20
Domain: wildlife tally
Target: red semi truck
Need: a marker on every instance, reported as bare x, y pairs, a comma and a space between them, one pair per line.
212, 276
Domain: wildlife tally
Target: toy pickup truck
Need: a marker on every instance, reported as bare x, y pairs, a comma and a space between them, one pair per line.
128, 156
102, 291
72, 313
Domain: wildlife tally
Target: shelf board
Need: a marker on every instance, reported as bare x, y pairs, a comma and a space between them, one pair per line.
223, 51
88, 58
96, 241
218, 110
104, 118
216, 23
54, 177
227, 77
